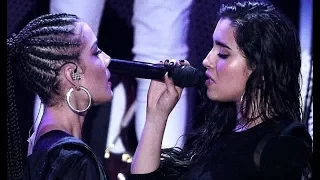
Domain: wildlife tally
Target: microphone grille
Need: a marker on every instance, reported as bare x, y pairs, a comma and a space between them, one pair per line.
186, 76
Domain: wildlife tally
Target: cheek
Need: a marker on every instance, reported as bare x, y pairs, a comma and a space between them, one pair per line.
97, 77
101, 76
222, 67
100, 70
231, 70
231, 81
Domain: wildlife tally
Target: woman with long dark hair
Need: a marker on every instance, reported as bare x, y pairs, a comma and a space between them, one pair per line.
249, 125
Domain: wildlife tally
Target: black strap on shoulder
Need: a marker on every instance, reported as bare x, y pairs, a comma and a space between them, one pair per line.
294, 129
258, 151
72, 140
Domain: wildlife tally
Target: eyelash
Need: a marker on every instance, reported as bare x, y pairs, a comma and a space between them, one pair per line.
223, 56
99, 51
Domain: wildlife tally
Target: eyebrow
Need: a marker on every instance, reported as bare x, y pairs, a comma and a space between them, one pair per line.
219, 43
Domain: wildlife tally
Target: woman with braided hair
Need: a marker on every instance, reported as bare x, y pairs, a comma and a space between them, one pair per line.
56, 56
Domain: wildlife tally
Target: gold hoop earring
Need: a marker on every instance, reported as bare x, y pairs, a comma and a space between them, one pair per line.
69, 104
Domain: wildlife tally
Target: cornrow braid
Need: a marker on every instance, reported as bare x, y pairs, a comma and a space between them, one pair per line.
51, 20
36, 55
45, 44
14, 151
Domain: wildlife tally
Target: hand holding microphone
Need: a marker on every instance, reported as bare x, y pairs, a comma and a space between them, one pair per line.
182, 75
162, 97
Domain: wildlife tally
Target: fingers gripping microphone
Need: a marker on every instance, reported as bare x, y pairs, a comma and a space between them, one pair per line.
183, 76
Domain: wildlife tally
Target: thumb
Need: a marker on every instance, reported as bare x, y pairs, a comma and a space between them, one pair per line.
169, 82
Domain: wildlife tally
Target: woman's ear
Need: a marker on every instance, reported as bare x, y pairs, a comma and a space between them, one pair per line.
75, 74
72, 74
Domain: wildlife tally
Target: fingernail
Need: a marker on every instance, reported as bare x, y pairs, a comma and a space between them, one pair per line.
166, 62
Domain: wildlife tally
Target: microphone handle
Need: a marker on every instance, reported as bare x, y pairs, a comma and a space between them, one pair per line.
183, 76
137, 69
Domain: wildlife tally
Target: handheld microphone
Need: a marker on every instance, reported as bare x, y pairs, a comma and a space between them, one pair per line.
183, 76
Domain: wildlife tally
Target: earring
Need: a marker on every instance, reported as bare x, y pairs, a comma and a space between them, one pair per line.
241, 98
75, 75
74, 109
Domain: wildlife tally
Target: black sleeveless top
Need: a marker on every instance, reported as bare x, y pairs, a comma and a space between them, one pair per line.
58, 155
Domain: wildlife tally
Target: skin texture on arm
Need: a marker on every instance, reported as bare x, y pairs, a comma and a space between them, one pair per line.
162, 97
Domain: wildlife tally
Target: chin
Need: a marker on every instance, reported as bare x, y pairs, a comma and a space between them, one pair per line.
211, 96
110, 96
217, 98
103, 100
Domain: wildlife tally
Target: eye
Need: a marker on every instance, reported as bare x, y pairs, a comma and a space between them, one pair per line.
223, 56
99, 51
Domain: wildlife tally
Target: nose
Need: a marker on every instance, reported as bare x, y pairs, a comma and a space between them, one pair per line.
106, 59
206, 62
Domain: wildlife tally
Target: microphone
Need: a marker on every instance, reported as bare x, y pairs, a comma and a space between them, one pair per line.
183, 76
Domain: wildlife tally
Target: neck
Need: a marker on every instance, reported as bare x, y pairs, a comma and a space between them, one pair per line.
242, 122
61, 118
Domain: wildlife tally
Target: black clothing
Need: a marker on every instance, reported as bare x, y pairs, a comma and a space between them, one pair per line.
285, 152
58, 155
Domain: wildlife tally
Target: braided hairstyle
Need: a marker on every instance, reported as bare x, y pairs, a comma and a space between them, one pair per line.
36, 54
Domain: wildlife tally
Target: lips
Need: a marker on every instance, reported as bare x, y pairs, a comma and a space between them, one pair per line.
109, 84
210, 80
209, 75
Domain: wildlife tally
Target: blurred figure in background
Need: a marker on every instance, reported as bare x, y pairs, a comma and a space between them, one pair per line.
160, 33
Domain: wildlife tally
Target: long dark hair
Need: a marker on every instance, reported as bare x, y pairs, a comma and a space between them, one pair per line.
270, 44
35, 55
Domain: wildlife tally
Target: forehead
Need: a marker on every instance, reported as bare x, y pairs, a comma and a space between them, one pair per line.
87, 33
224, 32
